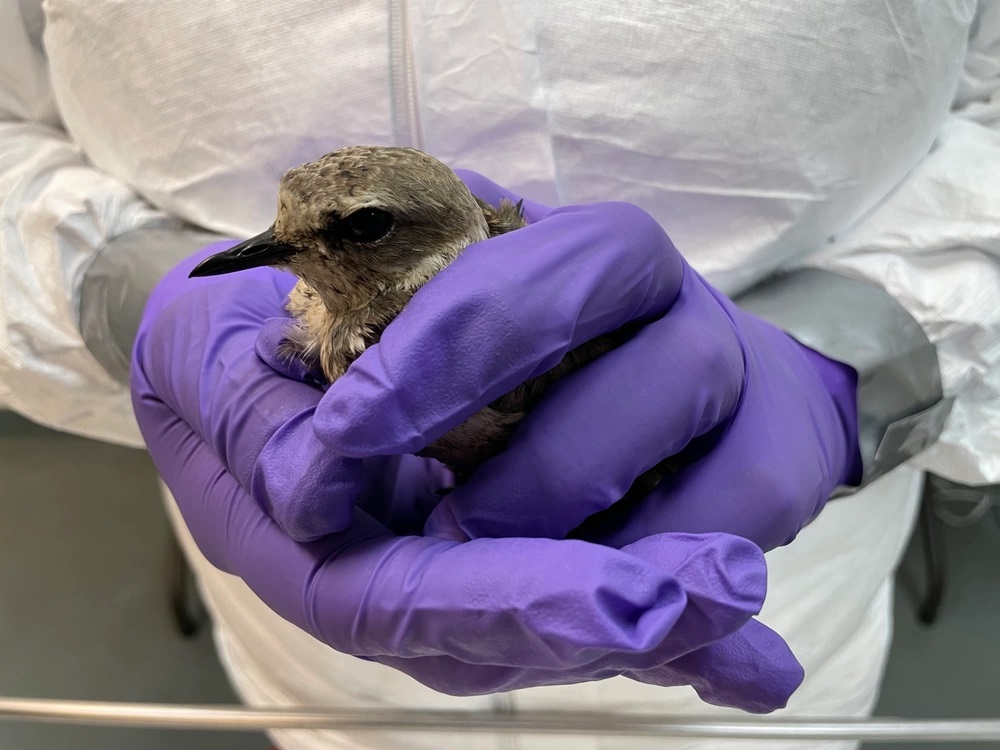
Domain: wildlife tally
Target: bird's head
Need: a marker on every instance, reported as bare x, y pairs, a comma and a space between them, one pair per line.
361, 221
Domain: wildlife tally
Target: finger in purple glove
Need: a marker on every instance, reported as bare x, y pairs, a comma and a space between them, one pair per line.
575, 274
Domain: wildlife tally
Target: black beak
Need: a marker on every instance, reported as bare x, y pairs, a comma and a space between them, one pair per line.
257, 251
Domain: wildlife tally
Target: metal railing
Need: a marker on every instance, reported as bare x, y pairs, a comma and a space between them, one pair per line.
232, 718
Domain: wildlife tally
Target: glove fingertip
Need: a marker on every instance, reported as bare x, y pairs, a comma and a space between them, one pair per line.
309, 527
307, 489
359, 417
752, 669
270, 348
316, 508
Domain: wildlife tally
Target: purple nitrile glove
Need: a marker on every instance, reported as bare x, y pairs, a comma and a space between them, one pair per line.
231, 438
774, 422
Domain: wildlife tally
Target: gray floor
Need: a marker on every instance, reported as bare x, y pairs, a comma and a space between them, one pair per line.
83, 612
951, 669
82, 607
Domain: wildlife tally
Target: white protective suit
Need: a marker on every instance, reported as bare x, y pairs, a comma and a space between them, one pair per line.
857, 136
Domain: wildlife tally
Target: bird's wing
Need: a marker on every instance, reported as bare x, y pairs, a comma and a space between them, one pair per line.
505, 218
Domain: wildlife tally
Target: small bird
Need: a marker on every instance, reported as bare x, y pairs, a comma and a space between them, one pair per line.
363, 228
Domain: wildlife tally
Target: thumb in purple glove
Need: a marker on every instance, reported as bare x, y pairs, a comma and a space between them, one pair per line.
278, 460
307, 510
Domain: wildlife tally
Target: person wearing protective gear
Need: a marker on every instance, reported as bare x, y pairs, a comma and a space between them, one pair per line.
826, 168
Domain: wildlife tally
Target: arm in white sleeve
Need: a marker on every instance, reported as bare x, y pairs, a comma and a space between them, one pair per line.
910, 295
56, 212
934, 245
902, 406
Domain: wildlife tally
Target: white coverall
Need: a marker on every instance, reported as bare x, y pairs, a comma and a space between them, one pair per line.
857, 136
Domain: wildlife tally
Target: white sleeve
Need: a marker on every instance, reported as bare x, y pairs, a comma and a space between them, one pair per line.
56, 213
934, 245
978, 95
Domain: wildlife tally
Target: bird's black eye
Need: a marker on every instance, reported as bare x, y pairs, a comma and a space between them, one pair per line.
367, 225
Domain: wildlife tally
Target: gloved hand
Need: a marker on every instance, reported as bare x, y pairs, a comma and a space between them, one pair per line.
774, 421
233, 440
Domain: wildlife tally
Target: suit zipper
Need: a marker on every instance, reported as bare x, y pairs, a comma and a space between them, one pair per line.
407, 129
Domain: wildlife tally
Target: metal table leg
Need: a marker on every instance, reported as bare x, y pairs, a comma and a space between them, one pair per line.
185, 602
932, 537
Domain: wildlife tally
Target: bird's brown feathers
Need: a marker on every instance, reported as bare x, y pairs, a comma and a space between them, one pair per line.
504, 218
348, 293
